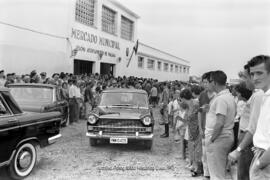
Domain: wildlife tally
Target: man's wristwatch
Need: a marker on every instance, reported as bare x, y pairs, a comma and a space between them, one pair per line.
238, 149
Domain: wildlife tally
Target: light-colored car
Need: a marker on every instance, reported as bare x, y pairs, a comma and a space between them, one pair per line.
121, 115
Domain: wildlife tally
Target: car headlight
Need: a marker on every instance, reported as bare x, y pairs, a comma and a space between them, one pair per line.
92, 119
147, 120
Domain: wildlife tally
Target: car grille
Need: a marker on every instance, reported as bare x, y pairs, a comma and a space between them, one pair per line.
119, 125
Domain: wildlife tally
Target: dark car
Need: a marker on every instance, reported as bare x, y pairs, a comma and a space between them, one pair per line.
34, 97
21, 133
121, 115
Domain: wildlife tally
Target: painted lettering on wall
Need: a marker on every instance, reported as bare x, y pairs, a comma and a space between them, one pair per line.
92, 38
95, 51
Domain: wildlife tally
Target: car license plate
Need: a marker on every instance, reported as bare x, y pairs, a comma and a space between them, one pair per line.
118, 140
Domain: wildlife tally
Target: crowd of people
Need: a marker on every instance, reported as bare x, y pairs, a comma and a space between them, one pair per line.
217, 126
223, 128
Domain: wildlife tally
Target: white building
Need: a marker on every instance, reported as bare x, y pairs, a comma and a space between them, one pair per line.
79, 36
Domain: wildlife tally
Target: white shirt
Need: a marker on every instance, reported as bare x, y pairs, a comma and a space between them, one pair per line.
261, 138
72, 91
224, 104
170, 107
78, 93
175, 107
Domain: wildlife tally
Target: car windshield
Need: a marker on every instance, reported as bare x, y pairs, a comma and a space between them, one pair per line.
37, 95
129, 99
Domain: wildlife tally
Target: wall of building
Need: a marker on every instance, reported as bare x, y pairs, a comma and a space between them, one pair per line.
147, 52
116, 56
22, 50
46, 42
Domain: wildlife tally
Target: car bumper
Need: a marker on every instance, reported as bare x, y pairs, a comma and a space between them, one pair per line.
108, 136
53, 139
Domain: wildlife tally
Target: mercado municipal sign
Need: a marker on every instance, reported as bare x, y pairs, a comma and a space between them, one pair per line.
92, 38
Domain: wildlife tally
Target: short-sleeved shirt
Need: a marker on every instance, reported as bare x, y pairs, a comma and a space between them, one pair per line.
154, 92
261, 138
203, 99
248, 120
72, 91
224, 104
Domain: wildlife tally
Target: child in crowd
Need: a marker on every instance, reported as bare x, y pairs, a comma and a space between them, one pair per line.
180, 128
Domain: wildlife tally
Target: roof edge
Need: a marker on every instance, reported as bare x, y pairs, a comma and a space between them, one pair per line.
118, 4
164, 52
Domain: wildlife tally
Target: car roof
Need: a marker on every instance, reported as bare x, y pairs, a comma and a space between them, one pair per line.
124, 90
4, 89
32, 85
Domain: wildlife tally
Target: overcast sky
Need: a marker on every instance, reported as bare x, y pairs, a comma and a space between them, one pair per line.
211, 34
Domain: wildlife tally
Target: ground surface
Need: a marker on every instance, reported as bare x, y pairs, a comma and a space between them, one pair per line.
72, 158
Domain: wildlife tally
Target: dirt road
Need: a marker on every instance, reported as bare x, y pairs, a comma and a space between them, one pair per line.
73, 158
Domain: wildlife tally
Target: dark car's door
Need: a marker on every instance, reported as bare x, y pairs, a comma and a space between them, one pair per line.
9, 131
61, 103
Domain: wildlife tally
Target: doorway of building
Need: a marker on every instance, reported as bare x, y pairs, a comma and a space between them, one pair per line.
106, 68
82, 67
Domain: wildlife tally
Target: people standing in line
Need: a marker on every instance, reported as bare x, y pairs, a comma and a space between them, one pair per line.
258, 127
164, 101
180, 128
243, 153
194, 142
244, 95
219, 136
204, 100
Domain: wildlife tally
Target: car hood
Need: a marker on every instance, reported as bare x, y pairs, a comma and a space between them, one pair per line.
121, 113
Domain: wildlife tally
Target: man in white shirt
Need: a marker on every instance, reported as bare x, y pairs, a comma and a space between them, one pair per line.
260, 74
73, 102
243, 153
219, 136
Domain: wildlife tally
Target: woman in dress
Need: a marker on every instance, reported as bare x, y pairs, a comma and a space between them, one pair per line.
194, 142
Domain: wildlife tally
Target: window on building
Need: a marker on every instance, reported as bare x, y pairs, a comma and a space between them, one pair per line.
176, 68
180, 69
126, 28
140, 62
187, 70
166, 66
159, 65
108, 20
171, 68
150, 64
184, 70
85, 12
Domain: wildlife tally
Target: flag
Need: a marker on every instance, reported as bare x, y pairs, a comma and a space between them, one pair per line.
135, 48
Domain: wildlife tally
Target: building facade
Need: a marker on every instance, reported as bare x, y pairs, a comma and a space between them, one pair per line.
79, 36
